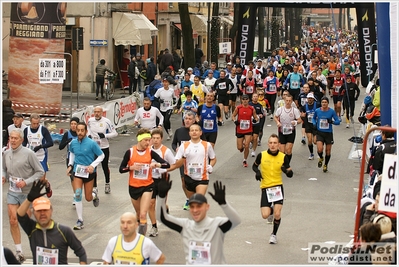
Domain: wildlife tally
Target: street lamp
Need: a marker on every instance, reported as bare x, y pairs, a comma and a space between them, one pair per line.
61, 53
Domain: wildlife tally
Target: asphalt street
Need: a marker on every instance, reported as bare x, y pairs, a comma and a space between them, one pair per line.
318, 207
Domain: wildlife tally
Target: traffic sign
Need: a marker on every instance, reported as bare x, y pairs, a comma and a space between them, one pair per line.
98, 42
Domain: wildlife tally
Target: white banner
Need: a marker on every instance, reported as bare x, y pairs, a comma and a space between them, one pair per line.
120, 111
52, 70
389, 185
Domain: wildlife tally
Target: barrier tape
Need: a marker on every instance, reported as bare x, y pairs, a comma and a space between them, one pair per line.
62, 107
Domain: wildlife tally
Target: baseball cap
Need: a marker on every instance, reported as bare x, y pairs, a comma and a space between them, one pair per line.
310, 95
41, 203
19, 115
138, 55
189, 69
259, 60
76, 119
229, 63
279, 66
345, 60
210, 71
245, 97
197, 198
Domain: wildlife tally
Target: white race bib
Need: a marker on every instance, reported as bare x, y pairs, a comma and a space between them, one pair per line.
323, 124
222, 86
13, 184
337, 89
199, 253
46, 256
195, 170
274, 194
208, 124
142, 173
310, 117
166, 104
244, 124
295, 84
272, 87
249, 89
287, 129
82, 171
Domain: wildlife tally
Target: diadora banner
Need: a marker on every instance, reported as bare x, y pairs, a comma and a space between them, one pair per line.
120, 111
367, 41
246, 32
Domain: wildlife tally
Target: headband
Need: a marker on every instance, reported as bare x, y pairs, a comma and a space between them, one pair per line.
142, 136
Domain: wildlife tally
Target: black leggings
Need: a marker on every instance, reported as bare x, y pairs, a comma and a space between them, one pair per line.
104, 165
100, 85
349, 107
166, 119
132, 85
271, 98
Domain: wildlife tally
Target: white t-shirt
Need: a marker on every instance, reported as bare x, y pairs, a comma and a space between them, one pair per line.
209, 82
149, 250
103, 125
167, 97
168, 156
196, 155
148, 118
286, 116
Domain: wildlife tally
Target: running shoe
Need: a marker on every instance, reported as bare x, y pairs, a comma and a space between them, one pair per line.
325, 168
303, 140
270, 218
96, 200
153, 232
107, 189
311, 157
273, 239
244, 163
352, 121
320, 163
271, 117
347, 125
186, 206
250, 145
259, 143
95, 190
79, 225
226, 115
49, 191
253, 154
20, 257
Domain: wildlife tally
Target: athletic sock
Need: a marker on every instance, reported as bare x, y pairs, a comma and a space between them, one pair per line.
18, 247
289, 157
327, 159
79, 210
276, 224
95, 181
154, 225
320, 154
310, 149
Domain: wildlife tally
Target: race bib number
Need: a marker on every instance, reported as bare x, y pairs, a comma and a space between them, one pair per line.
287, 129
82, 171
310, 117
119, 262
46, 256
199, 253
166, 104
272, 87
249, 89
323, 124
295, 84
222, 86
208, 124
195, 170
13, 184
34, 143
274, 194
244, 124
337, 89
142, 173
303, 101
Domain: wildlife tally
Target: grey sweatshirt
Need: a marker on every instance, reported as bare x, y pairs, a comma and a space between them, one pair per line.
22, 163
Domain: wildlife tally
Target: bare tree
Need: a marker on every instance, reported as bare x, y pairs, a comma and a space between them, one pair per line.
261, 27
187, 34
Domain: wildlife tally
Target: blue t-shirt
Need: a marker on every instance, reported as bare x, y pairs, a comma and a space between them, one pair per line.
85, 151
188, 105
323, 120
209, 119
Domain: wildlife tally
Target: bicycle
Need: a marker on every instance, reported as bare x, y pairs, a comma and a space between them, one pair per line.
109, 86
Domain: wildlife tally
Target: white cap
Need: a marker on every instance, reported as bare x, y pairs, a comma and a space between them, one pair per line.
310, 95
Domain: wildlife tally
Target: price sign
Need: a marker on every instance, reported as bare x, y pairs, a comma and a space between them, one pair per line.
389, 185
52, 70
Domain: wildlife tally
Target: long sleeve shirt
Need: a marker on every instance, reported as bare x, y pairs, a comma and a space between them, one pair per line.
103, 125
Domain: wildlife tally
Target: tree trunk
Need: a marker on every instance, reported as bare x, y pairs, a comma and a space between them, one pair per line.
187, 35
261, 32
234, 28
275, 42
215, 33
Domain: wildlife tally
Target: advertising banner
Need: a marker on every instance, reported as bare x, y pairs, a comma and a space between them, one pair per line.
35, 28
246, 32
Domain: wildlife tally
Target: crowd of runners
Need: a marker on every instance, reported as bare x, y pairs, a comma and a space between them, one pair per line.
292, 88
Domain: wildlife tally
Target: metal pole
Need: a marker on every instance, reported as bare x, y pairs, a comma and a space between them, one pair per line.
60, 53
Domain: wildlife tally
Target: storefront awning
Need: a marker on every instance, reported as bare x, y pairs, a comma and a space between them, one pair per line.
199, 23
132, 29
178, 26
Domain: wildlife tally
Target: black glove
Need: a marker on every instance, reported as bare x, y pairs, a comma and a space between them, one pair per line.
237, 122
220, 123
35, 190
254, 121
161, 101
356, 99
289, 173
69, 140
329, 121
258, 176
101, 135
220, 193
36, 148
164, 186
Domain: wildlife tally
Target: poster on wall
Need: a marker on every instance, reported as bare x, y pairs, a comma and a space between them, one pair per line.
35, 28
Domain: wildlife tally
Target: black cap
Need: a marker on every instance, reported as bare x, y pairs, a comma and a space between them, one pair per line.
197, 198
245, 97
19, 115
75, 119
